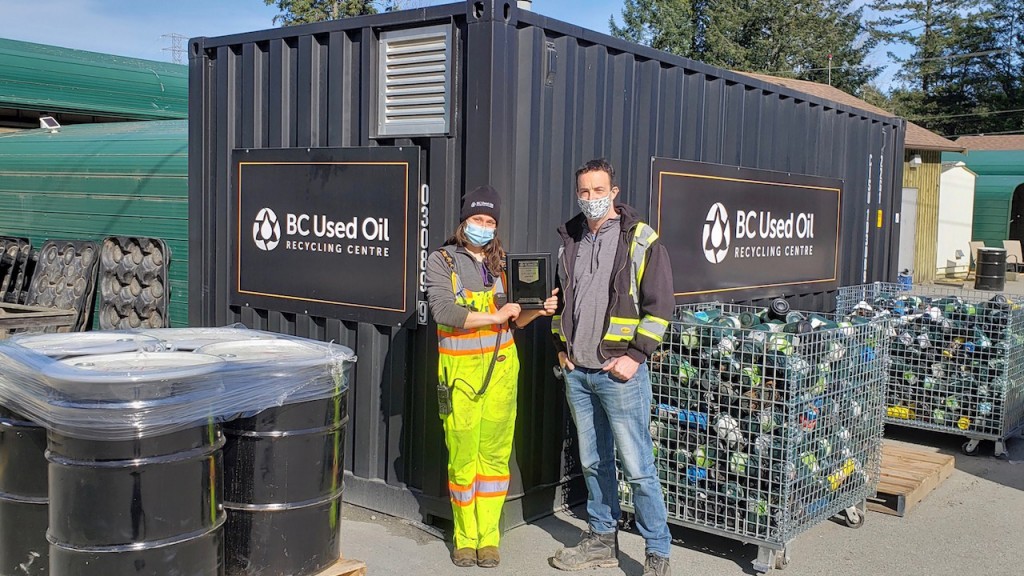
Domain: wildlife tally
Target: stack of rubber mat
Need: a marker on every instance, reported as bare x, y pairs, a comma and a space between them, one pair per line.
65, 278
133, 283
16, 263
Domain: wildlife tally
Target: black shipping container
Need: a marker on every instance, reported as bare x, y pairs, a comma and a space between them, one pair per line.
526, 99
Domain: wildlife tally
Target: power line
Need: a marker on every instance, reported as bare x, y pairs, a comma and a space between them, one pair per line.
1003, 133
802, 70
956, 56
864, 66
945, 116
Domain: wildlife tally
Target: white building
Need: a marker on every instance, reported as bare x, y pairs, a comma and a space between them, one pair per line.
956, 217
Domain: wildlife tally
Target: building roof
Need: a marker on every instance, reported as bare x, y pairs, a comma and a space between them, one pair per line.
953, 165
45, 78
1001, 142
917, 138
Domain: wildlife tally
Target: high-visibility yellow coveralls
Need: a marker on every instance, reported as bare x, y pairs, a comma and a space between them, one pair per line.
479, 429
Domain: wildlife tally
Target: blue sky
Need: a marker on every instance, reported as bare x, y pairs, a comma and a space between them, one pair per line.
135, 27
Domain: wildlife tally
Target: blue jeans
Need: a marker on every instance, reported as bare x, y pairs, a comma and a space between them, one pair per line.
610, 413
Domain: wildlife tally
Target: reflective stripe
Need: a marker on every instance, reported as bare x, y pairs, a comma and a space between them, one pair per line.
653, 327
483, 487
621, 329
458, 341
643, 237
556, 326
491, 486
473, 345
462, 495
456, 332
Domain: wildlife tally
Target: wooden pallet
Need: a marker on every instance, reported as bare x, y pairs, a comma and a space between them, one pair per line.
908, 475
345, 567
34, 318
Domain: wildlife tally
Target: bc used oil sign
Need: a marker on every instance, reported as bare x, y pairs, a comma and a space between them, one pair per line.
326, 231
734, 232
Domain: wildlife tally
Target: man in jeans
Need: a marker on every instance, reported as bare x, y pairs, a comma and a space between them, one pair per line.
616, 299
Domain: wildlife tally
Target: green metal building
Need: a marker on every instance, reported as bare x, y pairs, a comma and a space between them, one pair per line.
999, 189
88, 181
76, 86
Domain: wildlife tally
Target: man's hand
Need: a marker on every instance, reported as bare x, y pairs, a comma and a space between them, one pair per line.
622, 367
550, 307
551, 304
564, 362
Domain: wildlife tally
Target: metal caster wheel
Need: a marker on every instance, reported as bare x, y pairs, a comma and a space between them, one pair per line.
853, 517
970, 447
781, 559
768, 560
1001, 452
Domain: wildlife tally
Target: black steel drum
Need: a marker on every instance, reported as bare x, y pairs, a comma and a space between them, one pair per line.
283, 471
150, 506
990, 271
23, 496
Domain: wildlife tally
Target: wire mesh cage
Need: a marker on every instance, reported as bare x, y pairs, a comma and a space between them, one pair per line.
766, 422
957, 358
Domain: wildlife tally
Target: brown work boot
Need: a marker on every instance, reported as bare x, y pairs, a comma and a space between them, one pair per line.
488, 557
464, 557
594, 551
657, 566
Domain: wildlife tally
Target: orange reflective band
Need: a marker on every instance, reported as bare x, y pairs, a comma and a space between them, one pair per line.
480, 477
462, 495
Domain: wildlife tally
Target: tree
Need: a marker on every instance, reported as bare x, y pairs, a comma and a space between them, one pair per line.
306, 11
797, 38
875, 95
669, 26
1005, 22
929, 26
965, 66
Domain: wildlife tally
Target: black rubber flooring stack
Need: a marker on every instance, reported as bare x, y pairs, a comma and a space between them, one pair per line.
133, 283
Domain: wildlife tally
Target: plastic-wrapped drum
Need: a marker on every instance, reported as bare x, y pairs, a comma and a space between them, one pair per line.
85, 343
187, 339
149, 506
23, 499
283, 471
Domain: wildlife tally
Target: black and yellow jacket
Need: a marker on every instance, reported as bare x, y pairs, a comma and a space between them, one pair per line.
641, 296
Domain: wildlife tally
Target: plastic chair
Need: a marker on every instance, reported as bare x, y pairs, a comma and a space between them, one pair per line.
1014, 257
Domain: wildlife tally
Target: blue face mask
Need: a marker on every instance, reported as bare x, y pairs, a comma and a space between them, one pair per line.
478, 235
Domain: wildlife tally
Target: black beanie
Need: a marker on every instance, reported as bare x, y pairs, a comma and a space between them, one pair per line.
482, 200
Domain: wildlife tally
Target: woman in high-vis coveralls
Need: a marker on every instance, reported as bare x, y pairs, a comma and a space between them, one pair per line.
478, 368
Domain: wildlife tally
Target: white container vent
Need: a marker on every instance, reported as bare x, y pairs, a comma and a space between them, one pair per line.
414, 82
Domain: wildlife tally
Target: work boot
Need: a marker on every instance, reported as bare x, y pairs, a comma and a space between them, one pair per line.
656, 566
464, 557
488, 557
594, 551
